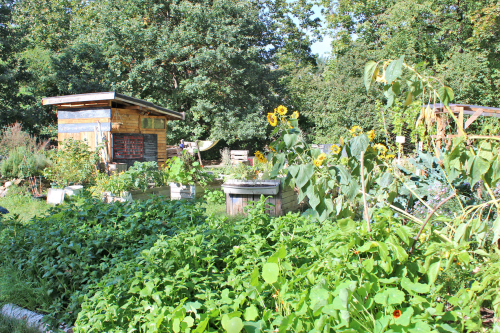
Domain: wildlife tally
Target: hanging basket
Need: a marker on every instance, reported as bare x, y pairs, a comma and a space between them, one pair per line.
116, 125
117, 121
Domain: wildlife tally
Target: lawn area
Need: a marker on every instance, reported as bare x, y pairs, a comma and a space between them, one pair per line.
10, 325
19, 201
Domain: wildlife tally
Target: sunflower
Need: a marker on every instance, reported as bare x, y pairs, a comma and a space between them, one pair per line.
317, 162
396, 314
272, 119
388, 156
335, 149
295, 115
282, 110
322, 157
260, 157
381, 148
289, 124
371, 135
355, 130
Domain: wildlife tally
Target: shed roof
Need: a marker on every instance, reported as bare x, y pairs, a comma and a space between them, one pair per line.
114, 97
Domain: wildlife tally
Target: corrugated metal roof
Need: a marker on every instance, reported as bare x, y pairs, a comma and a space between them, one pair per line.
111, 96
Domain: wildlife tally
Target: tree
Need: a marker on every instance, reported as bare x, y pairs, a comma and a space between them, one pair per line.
213, 59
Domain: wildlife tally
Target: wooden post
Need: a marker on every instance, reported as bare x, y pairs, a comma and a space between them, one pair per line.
441, 129
460, 109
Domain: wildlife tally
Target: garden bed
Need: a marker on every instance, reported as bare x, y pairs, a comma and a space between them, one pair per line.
138, 194
187, 191
239, 193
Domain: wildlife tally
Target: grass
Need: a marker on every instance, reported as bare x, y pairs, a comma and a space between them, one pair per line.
19, 201
11, 325
16, 288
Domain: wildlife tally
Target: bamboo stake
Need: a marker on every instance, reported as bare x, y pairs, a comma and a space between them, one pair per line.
365, 203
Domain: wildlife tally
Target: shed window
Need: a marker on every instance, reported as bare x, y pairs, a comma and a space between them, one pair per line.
152, 123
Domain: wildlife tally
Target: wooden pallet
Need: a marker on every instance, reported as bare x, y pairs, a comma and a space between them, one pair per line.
239, 156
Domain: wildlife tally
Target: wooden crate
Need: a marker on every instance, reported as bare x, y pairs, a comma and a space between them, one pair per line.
286, 200
239, 156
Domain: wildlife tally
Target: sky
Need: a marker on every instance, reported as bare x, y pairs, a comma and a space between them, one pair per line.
320, 48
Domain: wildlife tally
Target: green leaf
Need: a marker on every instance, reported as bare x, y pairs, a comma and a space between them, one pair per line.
305, 173
446, 95
343, 176
478, 168
404, 319
251, 313
394, 70
347, 225
385, 180
496, 230
234, 325
371, 72
390, 296
201, 326
357, 145
281, 252
415, 287
270, 272
290, 140
433, 271
254, 327
255, 277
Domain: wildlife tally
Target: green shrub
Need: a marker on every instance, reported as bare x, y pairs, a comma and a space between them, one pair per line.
77, 244
287, 274
22, 163
214, 197
73, 162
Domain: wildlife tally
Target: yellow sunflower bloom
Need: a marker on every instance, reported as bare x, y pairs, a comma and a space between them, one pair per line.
289, 124
371, 135
388, 156
322, 157
335, 149
260, 157
282, 110
295, 115
272, 119
317, 162
381, 148
355, 130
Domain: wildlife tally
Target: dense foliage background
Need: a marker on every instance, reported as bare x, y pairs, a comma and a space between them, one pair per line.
227, 63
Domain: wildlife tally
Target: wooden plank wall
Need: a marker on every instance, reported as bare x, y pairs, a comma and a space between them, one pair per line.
131, 124
72, 117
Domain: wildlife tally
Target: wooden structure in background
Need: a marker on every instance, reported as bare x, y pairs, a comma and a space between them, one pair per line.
131, 129
239, 156
460, 111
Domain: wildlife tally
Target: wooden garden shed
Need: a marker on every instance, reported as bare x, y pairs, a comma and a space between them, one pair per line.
130, 129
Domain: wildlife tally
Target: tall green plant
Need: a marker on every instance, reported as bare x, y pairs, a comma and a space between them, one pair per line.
73, 162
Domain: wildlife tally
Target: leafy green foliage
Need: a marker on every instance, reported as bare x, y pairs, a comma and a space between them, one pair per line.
73, 162
209, 59
185, 170
253, 275
77, 243
22, 163
138, 177
214, 197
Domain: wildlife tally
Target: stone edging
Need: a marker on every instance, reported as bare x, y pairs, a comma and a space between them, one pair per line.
32, 318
